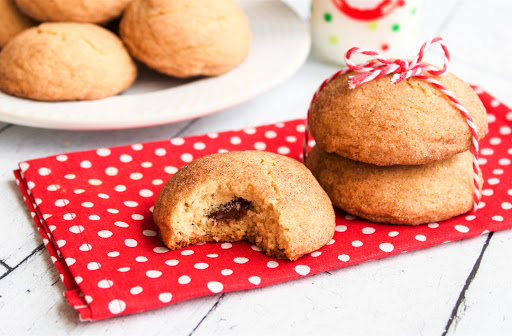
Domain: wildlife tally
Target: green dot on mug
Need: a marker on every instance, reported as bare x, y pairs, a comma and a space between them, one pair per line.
333, 39
328, 17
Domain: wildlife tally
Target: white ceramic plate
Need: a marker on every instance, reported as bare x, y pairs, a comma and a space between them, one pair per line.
280, 46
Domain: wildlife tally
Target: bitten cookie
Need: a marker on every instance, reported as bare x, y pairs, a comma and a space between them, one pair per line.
90, 11
185, 38
396, 194
268, 199
12, 21
65, 61
386, 124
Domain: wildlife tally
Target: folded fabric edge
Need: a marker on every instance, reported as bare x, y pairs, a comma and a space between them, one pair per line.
73, 293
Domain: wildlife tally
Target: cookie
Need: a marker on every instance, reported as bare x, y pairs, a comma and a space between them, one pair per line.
268, 199
185, 38
12, 21
65, 61
90, 11
396, 194
386, 124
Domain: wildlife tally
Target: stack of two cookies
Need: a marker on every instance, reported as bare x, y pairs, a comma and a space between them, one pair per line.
395, 154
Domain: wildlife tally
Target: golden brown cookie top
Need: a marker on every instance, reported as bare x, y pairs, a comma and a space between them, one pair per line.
185, 38
385, 124
12, 21
87, 11
65, 61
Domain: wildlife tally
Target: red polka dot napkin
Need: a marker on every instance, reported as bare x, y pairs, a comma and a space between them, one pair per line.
94, 212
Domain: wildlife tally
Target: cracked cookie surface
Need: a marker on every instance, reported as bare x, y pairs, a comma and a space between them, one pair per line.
268, 199
65, 61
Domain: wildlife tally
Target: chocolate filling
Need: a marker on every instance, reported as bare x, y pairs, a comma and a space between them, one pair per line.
234, 209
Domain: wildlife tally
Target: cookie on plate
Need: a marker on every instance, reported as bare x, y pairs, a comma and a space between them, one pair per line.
396, 194
12, 21
65, 61
268, 199
185, 38
90, 11
381, 123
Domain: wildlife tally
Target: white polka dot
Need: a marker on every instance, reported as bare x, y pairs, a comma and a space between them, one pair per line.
136, 176
125, 158
315, 254
470, 217
70, 261
213, 135
38, 201
104, 196
94, 217
487, 192
393, 234
212, 255
283, 150
491, 118
433, 225
505, 130
141, 259
240, 260
86, 164
497, 218
53, 187
226, 272
504, 162
113, 211
137, 217
131, 204
498, 171
301, 128
187, 157
260, 146
255, 280
95, 182
482, 161
270, 134
136, 290
113, 254
103, 152
226, 245
61, 202
495, 103
137, 147
461, 228
201, 266
235, 140
421, 238
160, 152
368, 230
172, 262
116, 306
177, 141
92, 266
215, 286
146, 193
350, 217
105, 234
302, 269
291, 139
70, 216
88, 299
344, 257
165, 297
506, 205
493, 181
153, 274
386, 247
62, 158
105, 283
121, 224
157, 182
149, 233
311, 143
187, 252
111, 171
332, 241
184, 279
130, 242
24, 166
357, 243
123, 269
31, 185
160, 249
509, 116
486, 151
170, 170
87, 204
509, 192
341, 228
44, 171
481, 205
146, 164
85, 247
495, 141
250, 130
78, 280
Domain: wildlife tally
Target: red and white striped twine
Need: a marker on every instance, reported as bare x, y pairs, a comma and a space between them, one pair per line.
403, 69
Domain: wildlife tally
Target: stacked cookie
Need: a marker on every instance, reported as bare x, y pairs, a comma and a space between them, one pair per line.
395, 153
72, 57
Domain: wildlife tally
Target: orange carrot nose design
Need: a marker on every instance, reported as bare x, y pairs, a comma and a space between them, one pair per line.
366, 14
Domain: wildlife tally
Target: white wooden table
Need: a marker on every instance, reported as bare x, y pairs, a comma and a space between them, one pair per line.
461, 288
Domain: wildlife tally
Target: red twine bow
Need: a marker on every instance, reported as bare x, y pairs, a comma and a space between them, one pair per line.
403, 69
